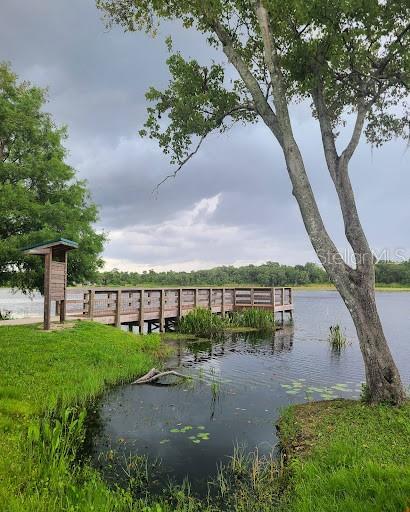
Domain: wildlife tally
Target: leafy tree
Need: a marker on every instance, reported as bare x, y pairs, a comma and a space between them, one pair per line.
40, 199
344, 58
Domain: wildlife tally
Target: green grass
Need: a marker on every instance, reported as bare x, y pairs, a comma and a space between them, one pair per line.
46, 378
345, 456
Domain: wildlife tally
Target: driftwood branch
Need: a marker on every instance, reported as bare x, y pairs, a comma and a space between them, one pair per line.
155, 374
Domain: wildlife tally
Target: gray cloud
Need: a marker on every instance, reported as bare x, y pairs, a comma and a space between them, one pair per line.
233, 203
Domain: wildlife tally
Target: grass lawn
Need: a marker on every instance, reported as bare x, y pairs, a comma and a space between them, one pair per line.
342, 455
347, 456
41, 374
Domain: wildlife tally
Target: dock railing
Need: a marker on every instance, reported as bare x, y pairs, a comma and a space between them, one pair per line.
118, 306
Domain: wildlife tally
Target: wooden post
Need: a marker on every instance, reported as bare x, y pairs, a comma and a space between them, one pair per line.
58, 308
210, 299
47, 304
223, 302
283, 297
180, 303
118, 309
252, 297
141, 319
63, 303
63, 311
161, 310
91, 298
196, 298
234, 299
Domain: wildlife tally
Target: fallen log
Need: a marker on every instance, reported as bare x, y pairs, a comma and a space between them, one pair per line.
154, 374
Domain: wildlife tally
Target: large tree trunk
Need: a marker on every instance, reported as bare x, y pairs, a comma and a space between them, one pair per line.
356, 286
382, 377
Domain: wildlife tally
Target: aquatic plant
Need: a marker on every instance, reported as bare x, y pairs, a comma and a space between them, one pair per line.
260, 319
201, 322
53, 443
337, 339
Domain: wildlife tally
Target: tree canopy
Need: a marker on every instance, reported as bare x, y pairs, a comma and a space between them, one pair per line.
41, 198
346, 56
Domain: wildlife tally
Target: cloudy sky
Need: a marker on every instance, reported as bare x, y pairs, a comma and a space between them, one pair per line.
232, 204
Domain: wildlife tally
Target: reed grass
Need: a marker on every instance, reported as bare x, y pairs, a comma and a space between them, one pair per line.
202, 322
259, 319
337, 338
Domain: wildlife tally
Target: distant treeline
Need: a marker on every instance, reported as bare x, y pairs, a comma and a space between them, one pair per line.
268, 274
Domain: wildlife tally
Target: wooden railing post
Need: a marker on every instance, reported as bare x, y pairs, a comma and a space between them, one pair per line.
196, 298
141, 318
47, 304
180, 303
210, 299
223, 302
252, 297
162, 310
91, 297
118, 309
85, 297
283, 297
234, 299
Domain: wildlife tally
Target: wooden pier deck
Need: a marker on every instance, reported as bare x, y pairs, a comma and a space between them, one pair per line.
160, 308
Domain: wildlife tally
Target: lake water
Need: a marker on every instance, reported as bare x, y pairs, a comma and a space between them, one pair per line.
21, 305
239, 388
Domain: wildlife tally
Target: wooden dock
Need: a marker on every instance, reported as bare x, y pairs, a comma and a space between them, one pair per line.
160, 308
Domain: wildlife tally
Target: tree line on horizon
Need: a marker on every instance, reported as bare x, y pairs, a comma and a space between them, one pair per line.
267, 274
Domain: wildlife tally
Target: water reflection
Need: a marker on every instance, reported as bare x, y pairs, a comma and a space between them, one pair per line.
240, 383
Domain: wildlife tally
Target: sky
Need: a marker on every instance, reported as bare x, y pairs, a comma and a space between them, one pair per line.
232, 204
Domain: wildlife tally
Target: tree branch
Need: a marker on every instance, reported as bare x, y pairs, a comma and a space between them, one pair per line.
184, 161
347, 153
328, 138
262, 106
278, 92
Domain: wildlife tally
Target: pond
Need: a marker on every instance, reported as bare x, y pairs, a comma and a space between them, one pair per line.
239, 387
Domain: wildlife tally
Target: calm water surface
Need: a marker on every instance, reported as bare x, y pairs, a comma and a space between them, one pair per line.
240, 386
21, 305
